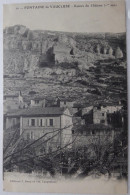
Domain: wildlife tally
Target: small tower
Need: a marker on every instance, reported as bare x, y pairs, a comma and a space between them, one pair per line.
20, 97
58, 101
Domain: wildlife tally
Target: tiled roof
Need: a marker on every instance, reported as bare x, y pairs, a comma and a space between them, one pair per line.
65, 99
13, 95
72, 110
76, 105
38, 98
37, 111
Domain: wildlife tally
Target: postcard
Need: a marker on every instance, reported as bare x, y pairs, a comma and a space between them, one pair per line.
65, 97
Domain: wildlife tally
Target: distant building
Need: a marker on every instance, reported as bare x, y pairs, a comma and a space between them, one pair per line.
78, 107
38, 102
64, 103
102, 114
117, 119
13, 101
35, 122
78, 120
86, 109
14, 97
99, 115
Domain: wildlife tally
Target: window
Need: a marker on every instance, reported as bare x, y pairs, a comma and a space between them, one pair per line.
102, 114
36, 101
97, 121
32, 135
102, 121
51, 122
32, 122
92, 132
28, 136
41, 122
72, 131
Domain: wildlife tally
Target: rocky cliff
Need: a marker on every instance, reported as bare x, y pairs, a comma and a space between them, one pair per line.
60, 58
27, 51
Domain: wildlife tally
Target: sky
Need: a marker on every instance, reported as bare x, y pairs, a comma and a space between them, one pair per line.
91, 17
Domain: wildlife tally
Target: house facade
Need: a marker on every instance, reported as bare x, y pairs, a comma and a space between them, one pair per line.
64, 103
55, 123
38, 102
101, 114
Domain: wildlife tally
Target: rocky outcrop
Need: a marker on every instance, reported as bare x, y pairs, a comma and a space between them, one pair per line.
27, 51
118, 53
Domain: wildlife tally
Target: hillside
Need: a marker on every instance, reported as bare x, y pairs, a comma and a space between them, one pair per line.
85, 67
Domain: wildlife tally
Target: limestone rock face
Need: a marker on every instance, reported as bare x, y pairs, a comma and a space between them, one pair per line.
67, 40
110, 51
62, 53
26, 45
118, 53
13, 62
17, 29
45, 45
31, 52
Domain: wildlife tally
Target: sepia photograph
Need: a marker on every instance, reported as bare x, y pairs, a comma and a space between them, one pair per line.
65, 97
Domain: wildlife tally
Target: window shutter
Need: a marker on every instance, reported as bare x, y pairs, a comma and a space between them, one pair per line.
43, 122
47, 120
29, 122
51, 122
39, 120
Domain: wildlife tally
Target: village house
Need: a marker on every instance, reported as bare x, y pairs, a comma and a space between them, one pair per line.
63, 102
78, 120
78, 107
86, 109
101, 114
13, 101
51, 102
35, 122
38, 102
